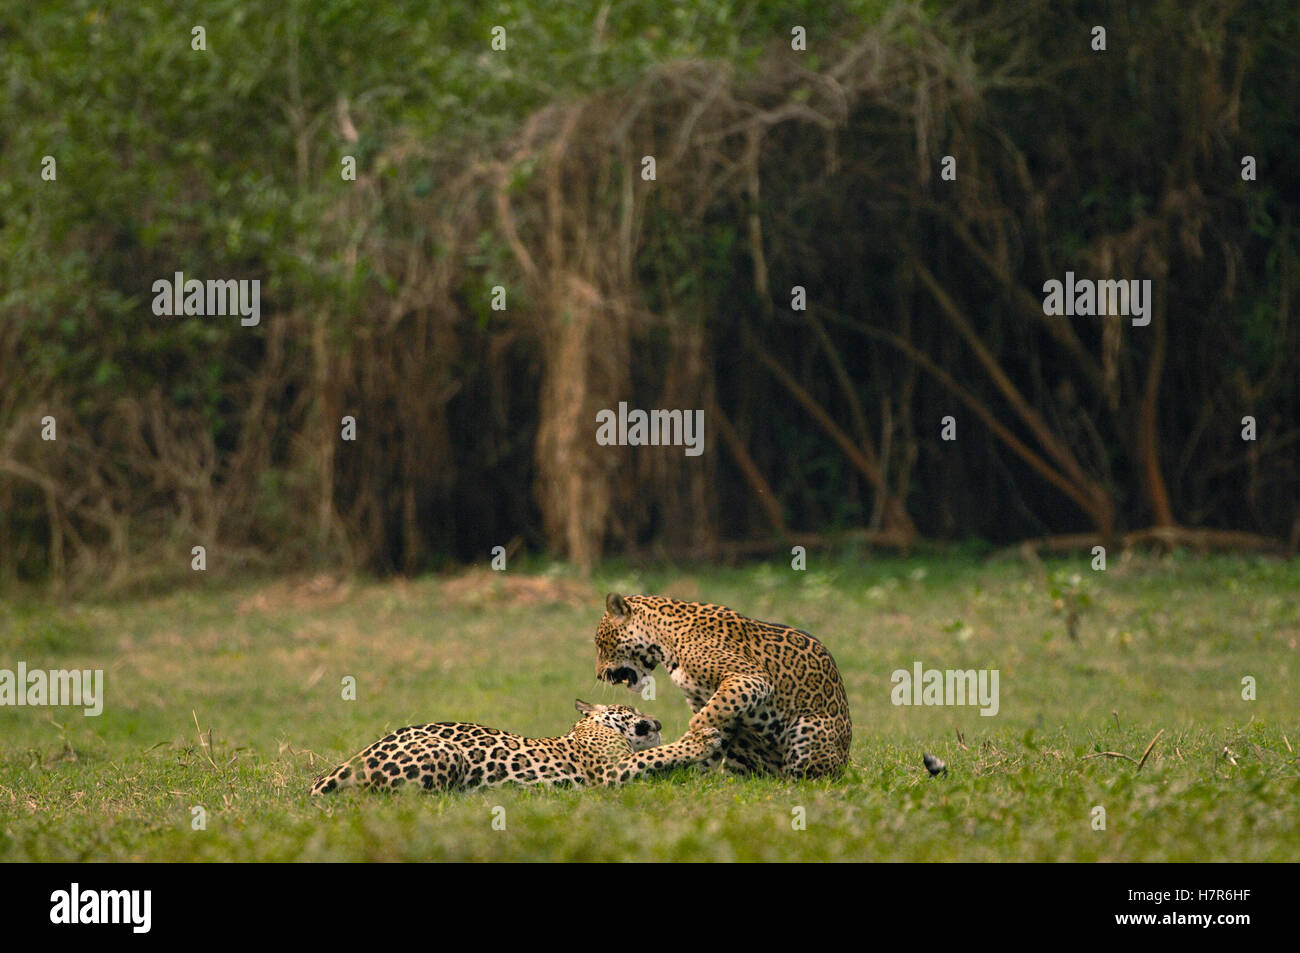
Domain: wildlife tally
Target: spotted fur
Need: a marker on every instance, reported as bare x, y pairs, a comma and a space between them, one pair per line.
772, 692
456, 756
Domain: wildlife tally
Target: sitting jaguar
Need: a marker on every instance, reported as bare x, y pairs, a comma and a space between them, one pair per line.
456, 756
772, 691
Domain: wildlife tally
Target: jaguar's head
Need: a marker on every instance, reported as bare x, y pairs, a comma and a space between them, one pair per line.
625, 653
639, 728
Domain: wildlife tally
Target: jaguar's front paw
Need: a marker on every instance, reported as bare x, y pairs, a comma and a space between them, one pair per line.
707, 739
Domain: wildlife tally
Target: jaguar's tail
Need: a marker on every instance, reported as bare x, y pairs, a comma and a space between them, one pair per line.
341, 777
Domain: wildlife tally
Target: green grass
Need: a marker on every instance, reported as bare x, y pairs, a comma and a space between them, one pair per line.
1164, 644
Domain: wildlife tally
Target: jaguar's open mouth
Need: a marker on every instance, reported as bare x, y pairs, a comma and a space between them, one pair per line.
622, 676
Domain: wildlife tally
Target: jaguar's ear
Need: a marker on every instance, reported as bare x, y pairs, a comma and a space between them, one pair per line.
616, 606
583, 707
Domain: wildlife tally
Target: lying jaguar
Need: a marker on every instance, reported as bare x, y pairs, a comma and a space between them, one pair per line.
773, 692
456, 756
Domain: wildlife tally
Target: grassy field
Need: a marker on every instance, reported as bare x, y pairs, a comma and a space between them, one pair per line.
1164, 644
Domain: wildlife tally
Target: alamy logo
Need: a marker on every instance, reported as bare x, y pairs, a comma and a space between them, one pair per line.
940, 687
655, 428
134, 907
1091, 298
211, 298
81, 688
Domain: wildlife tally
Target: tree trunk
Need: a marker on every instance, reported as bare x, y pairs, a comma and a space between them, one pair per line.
1148, 449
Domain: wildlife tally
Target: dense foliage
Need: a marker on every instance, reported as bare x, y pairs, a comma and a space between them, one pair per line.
523, 169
